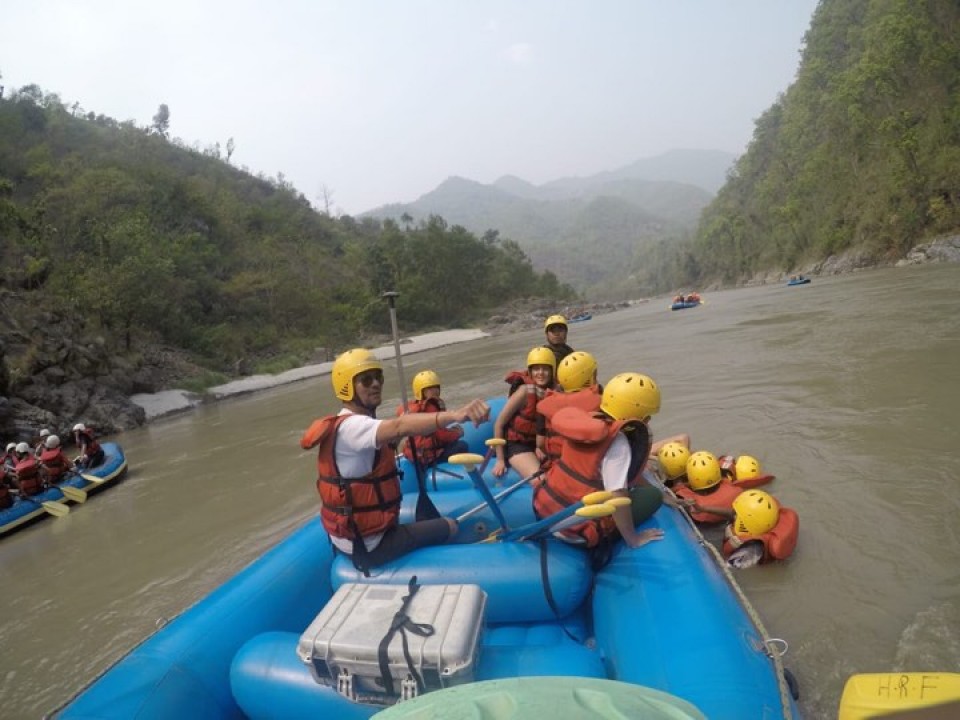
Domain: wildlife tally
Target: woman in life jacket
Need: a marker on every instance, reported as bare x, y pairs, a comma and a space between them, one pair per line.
357, 473
517, 422
578, 387
603, 450
54, 465
706, 486
437, 446
91, 454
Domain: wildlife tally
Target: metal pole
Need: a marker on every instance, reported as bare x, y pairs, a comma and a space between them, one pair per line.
391, 297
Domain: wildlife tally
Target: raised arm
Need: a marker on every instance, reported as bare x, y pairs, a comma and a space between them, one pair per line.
392, 429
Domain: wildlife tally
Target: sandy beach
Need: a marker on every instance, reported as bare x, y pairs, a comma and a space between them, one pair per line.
171, 401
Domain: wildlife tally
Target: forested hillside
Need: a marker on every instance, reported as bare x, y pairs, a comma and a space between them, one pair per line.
146, 240
860, 155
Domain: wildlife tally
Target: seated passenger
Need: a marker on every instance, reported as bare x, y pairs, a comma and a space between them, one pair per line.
603, 450
54, 465
517, 422
437, 446
555, 328
39, 447
578, 387
26, 472
91, 454
359, 489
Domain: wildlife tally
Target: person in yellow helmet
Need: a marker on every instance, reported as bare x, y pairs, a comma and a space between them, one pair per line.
555, 328
357, 474
517, 422
604, 450
436, 447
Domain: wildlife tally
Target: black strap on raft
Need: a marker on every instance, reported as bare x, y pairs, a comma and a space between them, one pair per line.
548, 592
402, 623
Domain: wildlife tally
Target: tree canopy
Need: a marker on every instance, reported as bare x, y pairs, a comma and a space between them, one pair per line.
154, 240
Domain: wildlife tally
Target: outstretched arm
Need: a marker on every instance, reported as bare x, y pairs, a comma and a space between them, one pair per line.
392, 429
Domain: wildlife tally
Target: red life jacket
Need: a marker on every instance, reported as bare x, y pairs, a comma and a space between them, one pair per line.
586, 399
522, 427
353, 507
577, 472
429, 447
55, 463
86, 439
778, 543
720, 495
28, 475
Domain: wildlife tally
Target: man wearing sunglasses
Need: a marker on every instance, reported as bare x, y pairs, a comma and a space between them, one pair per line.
359, 488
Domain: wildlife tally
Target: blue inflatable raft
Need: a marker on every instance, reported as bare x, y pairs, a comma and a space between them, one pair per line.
800, 280
547, 614
25, 511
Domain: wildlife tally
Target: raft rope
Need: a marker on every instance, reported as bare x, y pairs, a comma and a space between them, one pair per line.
769, 643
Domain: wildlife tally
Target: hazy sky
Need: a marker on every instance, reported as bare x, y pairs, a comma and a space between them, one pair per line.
380, 101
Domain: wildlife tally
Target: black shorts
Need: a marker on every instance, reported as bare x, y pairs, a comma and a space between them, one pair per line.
402, 539
516, 448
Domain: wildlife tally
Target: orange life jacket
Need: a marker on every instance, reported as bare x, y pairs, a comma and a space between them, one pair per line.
428, 447
778, 543
720, 495
352, 508
576, 473
586, 399
522, 427
28, 475
55, 463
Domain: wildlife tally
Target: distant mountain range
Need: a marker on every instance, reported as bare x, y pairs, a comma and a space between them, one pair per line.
586, 230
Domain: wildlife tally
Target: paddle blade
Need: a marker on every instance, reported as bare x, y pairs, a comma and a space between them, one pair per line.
619, 501
55, 508
597, 497
596, 511
871, 695
92, 478
75, 494
494, 442
466, 459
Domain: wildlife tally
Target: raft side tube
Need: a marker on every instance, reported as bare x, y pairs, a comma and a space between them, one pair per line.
509, 572
183, 669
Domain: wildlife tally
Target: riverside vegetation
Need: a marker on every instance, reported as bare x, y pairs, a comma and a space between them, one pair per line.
129, 260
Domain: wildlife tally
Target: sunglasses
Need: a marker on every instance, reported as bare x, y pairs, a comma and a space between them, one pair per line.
369, 377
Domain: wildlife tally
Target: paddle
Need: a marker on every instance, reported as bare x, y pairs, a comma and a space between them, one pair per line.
500, 495
72, 493
588, 512
57, 509
869, 695
92, 478
470, 462
425, 509
491, 444
536, 527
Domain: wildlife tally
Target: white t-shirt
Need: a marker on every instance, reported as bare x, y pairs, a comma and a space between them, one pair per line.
356, 448
616, 464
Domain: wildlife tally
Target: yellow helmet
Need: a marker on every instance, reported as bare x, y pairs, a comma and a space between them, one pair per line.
542, 356
576, 371
673, 459
757, 513
347, 366
747, 467
423, 380
555, 320
703, 470
630, 396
